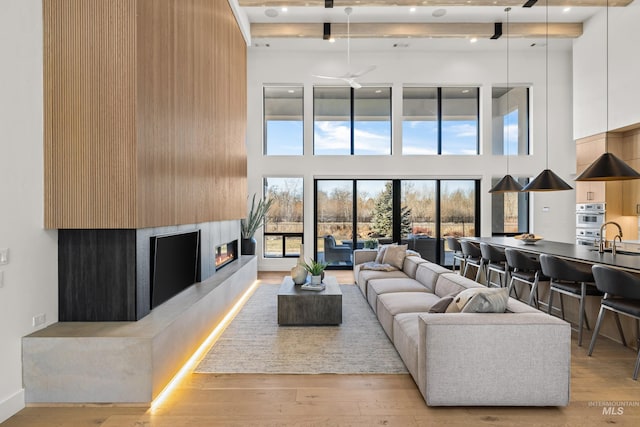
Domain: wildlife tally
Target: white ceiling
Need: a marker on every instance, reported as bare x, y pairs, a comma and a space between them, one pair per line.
402, 14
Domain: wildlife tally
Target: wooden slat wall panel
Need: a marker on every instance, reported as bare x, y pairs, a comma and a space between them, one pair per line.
145, 113
89, 89
192, 113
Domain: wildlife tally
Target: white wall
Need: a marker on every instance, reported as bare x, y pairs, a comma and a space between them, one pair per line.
427, 68
590, 69
31, 277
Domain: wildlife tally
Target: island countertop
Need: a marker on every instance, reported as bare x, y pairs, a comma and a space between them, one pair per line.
586, 254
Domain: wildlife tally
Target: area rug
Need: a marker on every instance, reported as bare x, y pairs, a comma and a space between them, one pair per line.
254, 343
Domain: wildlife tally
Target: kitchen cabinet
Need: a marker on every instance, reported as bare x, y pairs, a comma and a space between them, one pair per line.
631, 192
587, 151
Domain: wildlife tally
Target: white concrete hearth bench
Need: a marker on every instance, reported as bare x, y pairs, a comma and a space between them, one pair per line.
519, 357
129, 362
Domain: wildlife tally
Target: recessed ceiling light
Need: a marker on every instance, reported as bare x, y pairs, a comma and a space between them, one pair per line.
378, 90
413, 9
566, 9
284, 9
291, 91
332, 40
439, 13
271, 13
473, 39
465, 90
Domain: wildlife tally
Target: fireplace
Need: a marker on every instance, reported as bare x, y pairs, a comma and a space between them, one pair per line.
226, 253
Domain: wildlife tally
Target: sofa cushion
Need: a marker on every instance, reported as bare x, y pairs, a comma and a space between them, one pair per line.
394, 255
391, 304
492, 300
406, 340
377, 287
427, 273
452, 283
411, 264
365, 275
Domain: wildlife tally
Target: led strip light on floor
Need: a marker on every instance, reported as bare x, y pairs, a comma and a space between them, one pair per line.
188, 367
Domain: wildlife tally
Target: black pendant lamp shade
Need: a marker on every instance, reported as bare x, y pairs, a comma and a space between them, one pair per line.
608, 167
507, 184
547, 181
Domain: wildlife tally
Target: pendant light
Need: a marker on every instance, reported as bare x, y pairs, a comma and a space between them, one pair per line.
507, 184
608, 167
547, 180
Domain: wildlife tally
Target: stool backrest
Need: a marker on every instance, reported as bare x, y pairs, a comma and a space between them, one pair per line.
454, 244
492, 253
470, 249
616, 282
562, 269
521, 260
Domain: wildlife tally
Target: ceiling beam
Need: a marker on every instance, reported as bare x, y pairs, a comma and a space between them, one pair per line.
415, 30
431, 3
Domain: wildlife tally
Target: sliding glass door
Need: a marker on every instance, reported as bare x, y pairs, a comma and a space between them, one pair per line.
419, 213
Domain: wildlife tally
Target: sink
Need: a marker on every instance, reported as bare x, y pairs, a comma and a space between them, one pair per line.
618, 251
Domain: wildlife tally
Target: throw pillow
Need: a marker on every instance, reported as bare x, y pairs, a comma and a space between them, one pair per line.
488, 301
463, 297
380, 256
394, 255
442, 305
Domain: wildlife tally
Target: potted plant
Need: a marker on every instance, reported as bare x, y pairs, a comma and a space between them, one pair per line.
254, 220
370, 243
316, 270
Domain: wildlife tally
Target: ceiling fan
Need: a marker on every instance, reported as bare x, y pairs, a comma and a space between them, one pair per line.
350, 77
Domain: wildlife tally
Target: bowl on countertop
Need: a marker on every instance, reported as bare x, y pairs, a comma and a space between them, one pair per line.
528, 239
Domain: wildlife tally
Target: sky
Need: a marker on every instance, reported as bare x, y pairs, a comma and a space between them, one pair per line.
374, 138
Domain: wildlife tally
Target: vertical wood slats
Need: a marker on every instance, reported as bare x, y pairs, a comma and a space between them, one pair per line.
89, 113
145, 113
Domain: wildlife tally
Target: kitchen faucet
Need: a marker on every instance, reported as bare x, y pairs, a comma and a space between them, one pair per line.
602, 241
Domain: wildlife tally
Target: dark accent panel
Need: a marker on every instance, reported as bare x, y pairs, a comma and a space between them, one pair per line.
326, 31
497, 31
97, 275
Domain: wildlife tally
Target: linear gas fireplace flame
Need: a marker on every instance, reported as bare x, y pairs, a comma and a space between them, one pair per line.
226, 253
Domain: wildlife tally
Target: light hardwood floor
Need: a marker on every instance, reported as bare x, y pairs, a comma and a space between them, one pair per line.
599, 384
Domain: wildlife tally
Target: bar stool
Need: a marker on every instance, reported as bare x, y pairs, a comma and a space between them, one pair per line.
570, 278
472, 257
496, 262
621, 295
456, 248
525, 268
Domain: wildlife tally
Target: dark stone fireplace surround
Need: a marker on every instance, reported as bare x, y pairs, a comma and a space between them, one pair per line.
104, 274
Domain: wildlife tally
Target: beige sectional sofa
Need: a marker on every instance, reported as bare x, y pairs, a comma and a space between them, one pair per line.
518, 358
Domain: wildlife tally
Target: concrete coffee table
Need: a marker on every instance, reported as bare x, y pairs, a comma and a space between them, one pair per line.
300, 307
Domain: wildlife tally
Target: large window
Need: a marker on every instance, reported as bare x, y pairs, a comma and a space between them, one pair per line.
284, 224
440, 121
510, 111
509, 211
283, 121
418, 213
352, 122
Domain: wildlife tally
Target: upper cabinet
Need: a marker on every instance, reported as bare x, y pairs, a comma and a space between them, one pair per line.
145, 113
587, 151
631, 189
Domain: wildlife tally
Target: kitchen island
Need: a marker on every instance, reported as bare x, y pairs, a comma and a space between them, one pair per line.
629, 261
624, 260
